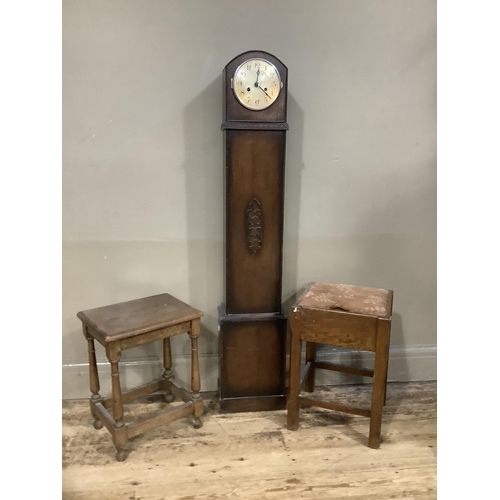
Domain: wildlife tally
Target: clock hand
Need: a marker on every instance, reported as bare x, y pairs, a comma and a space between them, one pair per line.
264, 92
257, 81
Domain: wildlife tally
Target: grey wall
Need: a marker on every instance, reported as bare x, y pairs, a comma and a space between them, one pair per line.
142, 160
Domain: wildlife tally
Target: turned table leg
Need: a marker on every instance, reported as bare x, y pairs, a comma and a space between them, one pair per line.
195, 374
310, 358
167, 373
120, 434
93, 376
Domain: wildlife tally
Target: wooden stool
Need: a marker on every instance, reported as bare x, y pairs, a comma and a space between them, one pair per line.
129, 324
346, 316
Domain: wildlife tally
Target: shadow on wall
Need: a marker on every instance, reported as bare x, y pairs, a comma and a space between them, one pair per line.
294, 165
204, 197
399, 260
378, 254
292, 288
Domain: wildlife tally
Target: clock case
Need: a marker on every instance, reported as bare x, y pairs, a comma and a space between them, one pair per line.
252, 327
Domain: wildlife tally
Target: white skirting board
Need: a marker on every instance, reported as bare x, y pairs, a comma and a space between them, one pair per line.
406, 364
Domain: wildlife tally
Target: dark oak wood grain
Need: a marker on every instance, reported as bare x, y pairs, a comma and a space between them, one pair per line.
166, 418
252, 357
294, 385
344, 329
379, 381
254, 171
310, 359
364, 372
339, 328
168, 374
131, 318
252, 348
136, 393
252, 403
131, 324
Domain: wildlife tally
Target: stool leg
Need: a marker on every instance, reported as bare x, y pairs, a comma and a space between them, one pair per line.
310, 358
386, 374
294, 384
379, 382
120, 431
94, 377
167, 374
195, 374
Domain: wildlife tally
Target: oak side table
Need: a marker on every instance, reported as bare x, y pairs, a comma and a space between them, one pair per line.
130, 324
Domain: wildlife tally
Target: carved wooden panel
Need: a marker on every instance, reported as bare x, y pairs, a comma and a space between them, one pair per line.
254, 221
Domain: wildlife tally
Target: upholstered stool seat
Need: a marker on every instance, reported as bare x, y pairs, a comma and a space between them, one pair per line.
348, 298
129, 324
354, 317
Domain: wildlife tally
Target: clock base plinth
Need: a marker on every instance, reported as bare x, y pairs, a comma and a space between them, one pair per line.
258, 403
252, 350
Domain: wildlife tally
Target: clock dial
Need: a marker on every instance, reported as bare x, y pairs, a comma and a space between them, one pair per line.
256, 84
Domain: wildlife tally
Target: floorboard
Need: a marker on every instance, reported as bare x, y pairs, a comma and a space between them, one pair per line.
254, 456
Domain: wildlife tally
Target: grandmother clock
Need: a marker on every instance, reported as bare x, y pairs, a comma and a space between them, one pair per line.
252, 328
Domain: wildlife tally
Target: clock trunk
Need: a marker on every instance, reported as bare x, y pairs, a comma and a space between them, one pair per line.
254, 220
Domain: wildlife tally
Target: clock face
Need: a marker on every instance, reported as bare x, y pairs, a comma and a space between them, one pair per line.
257, 84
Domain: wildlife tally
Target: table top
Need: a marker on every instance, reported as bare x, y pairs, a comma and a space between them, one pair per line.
126, 319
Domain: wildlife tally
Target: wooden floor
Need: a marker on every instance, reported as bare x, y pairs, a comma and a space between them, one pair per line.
254, 456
